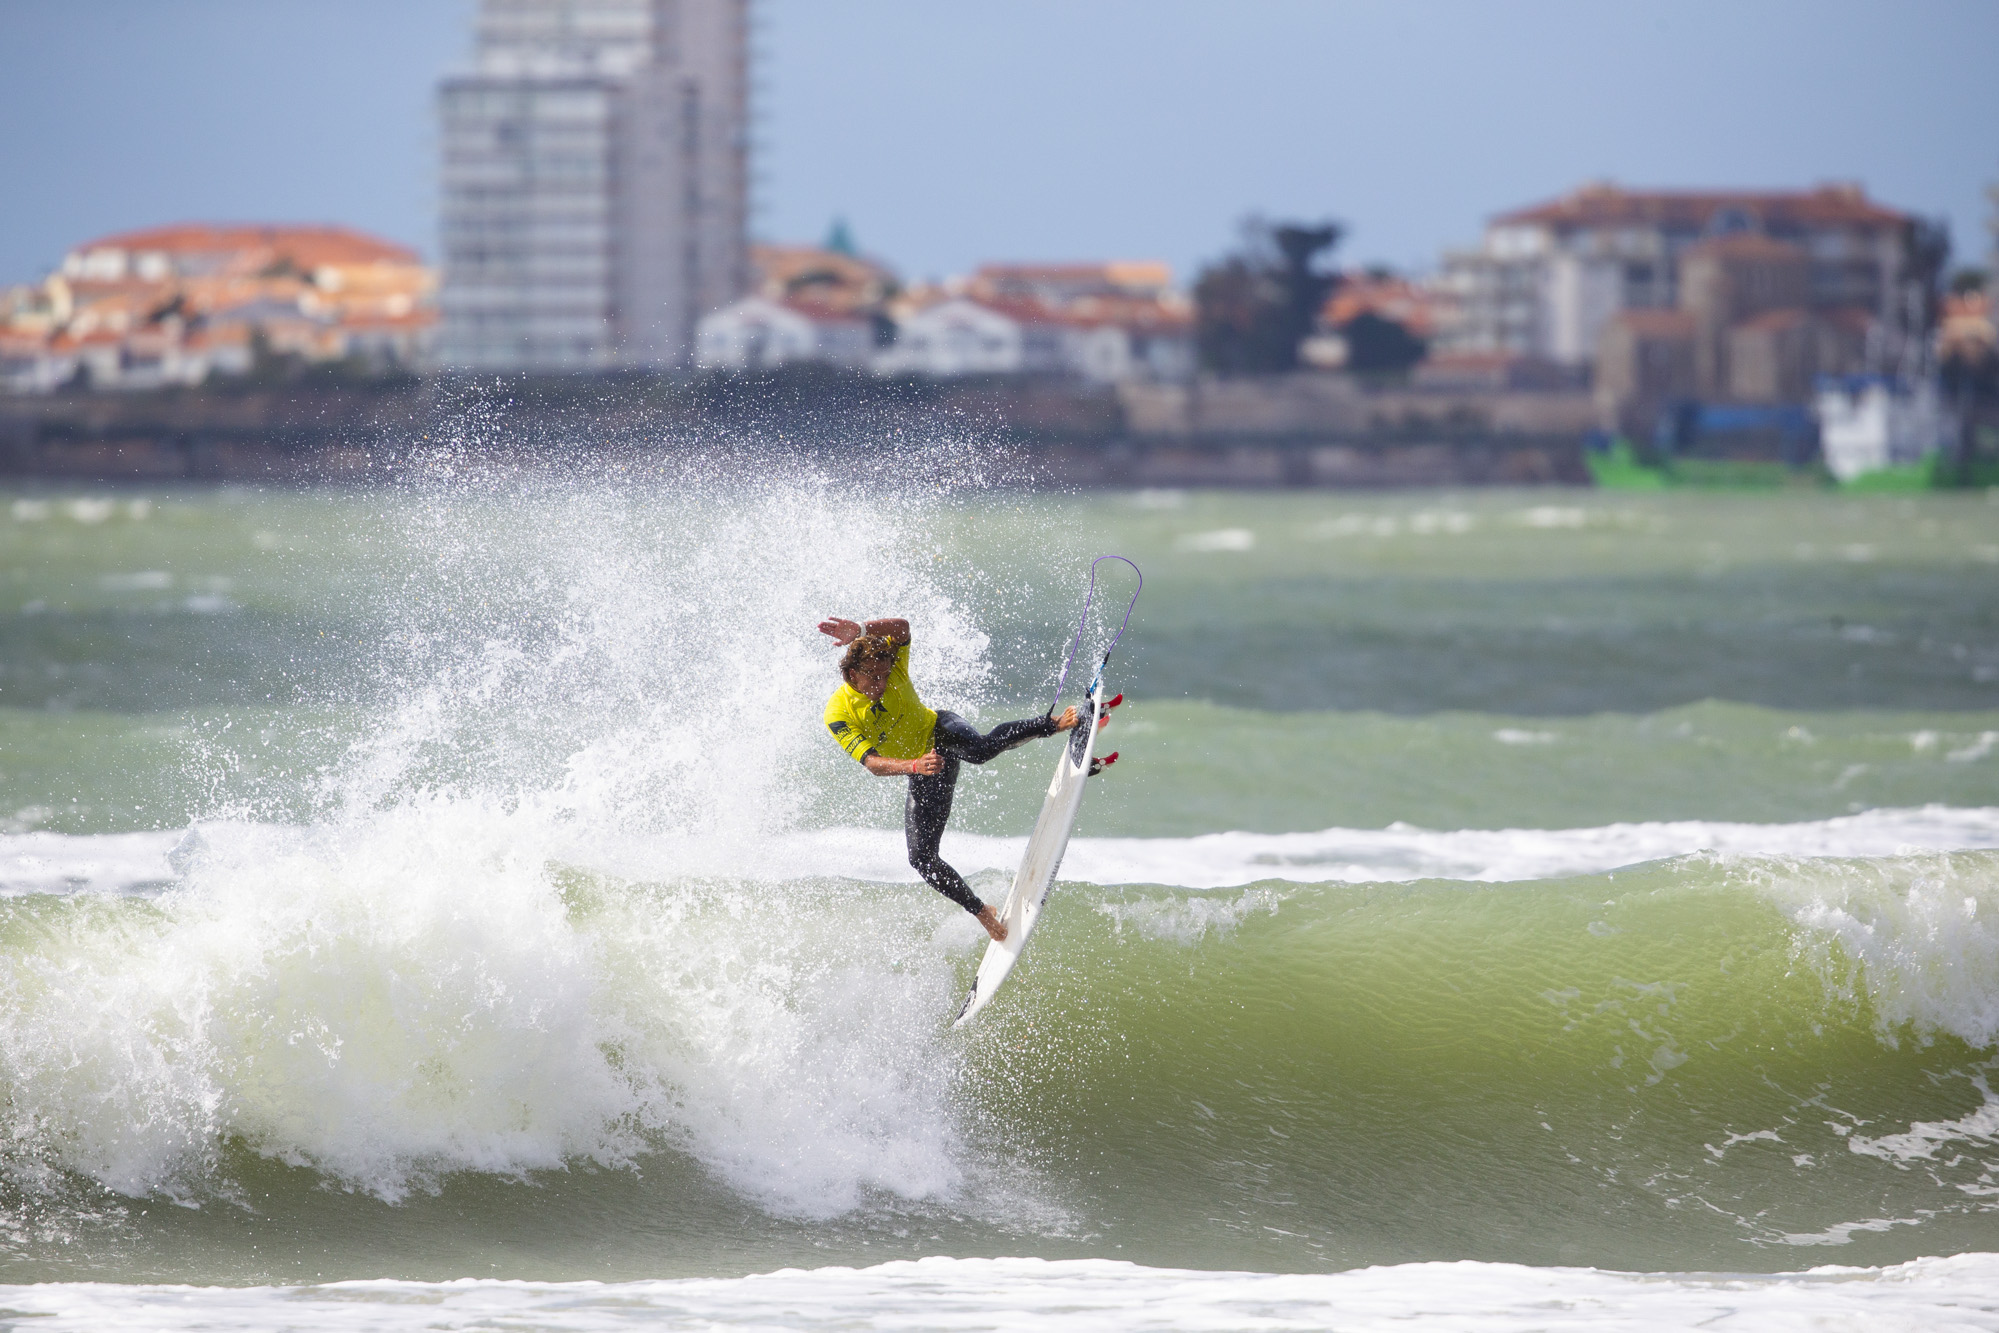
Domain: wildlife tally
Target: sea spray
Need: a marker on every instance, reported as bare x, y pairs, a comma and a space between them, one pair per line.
412, 984
643, 656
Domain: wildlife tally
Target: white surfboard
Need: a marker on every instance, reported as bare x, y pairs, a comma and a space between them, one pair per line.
1042, 859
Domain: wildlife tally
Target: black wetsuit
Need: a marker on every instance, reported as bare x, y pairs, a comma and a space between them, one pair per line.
929, 805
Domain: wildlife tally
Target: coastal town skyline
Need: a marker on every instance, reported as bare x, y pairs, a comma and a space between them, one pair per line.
1422, 176
595, 173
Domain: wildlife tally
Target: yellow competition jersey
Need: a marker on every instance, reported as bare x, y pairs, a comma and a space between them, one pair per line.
898, 727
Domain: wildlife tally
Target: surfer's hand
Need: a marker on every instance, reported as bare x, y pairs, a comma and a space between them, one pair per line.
994, 926
842, 632
928, 766
1068, 720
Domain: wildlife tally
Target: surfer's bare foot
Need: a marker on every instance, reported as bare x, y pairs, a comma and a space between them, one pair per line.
994, 926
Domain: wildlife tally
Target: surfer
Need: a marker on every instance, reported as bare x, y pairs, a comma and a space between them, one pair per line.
877, 718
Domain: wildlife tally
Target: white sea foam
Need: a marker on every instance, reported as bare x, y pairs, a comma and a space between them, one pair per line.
1221, 539
1977, 750
44, 862
1351, 856
1043, 1296
417, 992
1188, 920
327, 1002
1918, 935
1979, 1129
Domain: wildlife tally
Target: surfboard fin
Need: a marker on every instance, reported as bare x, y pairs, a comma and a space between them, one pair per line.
1099, 765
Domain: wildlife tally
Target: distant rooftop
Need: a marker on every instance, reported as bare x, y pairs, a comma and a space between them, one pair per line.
1606, 205
1128, 273
307, 247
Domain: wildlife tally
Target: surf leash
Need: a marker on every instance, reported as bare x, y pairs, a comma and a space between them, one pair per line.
1084, 621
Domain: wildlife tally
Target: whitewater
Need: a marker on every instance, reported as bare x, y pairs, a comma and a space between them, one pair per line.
461, 931
147, 862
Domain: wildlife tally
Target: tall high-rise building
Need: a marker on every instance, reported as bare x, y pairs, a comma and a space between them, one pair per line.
595, 182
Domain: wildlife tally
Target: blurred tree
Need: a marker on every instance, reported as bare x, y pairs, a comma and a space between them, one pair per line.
1255, 305
1925, 259
1379, 345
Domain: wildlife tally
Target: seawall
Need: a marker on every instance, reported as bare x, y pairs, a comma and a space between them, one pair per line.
1302, 430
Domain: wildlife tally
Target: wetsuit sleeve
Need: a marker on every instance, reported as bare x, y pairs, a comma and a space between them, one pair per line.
840, 723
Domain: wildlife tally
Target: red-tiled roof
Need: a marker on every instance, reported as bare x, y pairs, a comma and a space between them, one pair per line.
1610, 206
1472, 360
1144, 271
307, 246
422, 317
89, 338
1090, 313
215, 335
820, 314
1389, 298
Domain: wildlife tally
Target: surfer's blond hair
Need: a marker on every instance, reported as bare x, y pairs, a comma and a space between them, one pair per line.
868, 648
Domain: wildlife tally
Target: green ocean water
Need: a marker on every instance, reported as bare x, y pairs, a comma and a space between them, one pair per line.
480, 966
1476, 660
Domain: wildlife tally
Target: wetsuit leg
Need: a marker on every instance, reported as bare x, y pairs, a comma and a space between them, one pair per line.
928, 808
961, 740
924, 815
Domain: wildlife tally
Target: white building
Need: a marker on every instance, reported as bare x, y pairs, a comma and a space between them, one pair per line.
962, 336
595, 182
1547, 280
30, 365
1869, 422
956, 337
757, 333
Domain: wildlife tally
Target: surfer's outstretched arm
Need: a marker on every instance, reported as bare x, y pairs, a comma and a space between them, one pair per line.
843, 631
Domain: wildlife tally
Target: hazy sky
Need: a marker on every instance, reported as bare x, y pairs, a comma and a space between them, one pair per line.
950, 132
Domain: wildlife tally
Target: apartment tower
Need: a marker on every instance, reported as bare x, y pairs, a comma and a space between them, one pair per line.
595, 183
